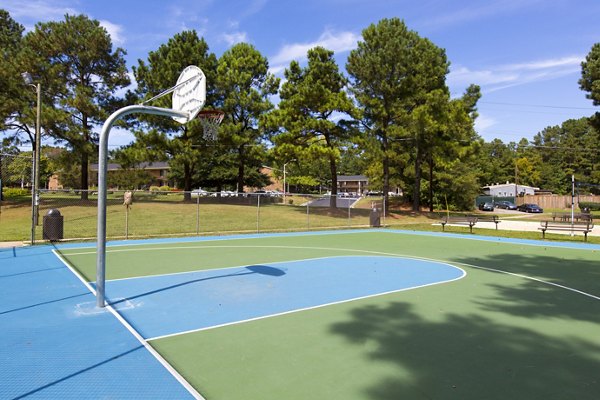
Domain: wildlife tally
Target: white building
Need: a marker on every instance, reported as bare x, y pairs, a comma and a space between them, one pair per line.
508, 190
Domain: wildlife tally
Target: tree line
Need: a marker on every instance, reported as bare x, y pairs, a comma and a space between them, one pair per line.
389, 116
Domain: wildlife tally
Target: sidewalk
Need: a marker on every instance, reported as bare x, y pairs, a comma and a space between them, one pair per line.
531, 226
10, 244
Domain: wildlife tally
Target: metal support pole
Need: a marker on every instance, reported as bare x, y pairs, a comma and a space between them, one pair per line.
572, 204
36, 163
198, 214
102, 186
258, 214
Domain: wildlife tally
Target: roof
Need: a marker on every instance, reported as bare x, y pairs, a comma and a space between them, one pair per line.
508, 185
351, 178
143, 165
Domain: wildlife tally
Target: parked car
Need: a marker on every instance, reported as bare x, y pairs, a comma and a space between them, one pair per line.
507, 205
486, 206
530, 208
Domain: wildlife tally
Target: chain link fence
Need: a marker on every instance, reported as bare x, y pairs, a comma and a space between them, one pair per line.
172, 213
15, 202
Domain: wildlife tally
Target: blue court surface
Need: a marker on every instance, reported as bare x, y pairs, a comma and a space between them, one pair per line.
49, 349
169, 304
56, 344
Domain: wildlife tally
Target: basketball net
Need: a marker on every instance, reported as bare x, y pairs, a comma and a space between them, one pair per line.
210, 120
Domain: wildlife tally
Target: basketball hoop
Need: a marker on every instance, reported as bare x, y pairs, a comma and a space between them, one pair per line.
210, 120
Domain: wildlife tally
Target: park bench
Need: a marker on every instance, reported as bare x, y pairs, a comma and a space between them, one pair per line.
459, 220
488, 218
583, 227
566, 216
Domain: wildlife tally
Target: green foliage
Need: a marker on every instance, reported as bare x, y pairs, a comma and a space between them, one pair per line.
590, 74
309, 98
14, 193
129, 179
589, 206
244, 85
79, 73
399, 81
11, 84
161, 138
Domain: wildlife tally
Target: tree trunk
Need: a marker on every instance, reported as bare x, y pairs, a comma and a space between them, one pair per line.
187, 182
84, 176
84, 159
417, 186
334, 182
241, 171
430, 182
386, 175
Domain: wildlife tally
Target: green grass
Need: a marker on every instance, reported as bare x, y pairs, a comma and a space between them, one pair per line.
489, 335
166, 214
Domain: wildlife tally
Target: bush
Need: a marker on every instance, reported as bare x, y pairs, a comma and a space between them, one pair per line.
11, 193
164, 188
589, 206
154, 188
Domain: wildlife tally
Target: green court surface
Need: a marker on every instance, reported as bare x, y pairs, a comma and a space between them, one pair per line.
523, 323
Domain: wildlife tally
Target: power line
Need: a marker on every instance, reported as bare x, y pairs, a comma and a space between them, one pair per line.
537, 105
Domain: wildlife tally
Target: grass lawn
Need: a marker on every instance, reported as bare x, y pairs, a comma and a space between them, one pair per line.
166, 214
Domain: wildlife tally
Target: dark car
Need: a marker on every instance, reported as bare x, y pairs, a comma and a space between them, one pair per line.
507, 205
486, 206
530, 208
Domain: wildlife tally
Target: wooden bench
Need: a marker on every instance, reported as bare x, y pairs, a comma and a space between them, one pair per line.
566, 216
584, 227
459, 220
488, 218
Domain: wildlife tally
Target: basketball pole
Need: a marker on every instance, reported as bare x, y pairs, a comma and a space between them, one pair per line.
102, 186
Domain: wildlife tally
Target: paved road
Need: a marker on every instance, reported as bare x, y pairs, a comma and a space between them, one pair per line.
341, 202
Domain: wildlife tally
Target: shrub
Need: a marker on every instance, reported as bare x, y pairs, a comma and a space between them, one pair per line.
164, 188
11, 193
589, 206
154, 188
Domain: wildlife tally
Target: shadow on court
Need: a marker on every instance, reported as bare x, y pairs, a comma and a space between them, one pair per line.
252, 269
469, 356
532, 299
506, 338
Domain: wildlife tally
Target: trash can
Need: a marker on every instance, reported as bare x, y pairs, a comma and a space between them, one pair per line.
53, 225
375, 218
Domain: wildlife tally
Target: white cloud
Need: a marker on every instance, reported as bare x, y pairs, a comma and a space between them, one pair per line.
115, 32
336, 41
483, 122
477, 11
234, 37
39, 10
508, 75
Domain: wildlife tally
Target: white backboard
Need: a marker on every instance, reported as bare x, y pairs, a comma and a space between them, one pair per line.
190, 93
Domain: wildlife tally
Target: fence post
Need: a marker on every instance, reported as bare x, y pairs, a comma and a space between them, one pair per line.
307, 215
349, 216
198, 214
258, 214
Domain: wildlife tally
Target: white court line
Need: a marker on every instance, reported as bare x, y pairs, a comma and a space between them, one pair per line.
446, 262
464, 273
505, 241
139, 337
393, 255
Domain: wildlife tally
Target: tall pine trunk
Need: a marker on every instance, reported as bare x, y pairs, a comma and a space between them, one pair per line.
84, 160
334, 183
417, 185
430, 182
187, 182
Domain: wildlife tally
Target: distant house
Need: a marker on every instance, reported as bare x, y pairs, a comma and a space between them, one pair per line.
509, 190
159, 171
352, 184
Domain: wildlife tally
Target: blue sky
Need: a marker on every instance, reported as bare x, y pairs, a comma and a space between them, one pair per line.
525, 54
